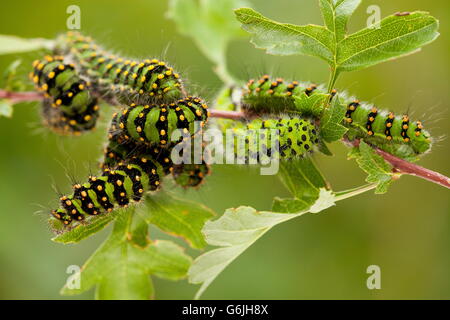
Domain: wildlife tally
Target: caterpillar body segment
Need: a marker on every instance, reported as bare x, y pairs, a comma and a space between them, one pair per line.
68, 106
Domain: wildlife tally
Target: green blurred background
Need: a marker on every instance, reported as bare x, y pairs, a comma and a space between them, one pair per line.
406, 231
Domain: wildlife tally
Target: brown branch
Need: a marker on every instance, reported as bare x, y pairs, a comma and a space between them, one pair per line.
404, 167
17, 97
233, 115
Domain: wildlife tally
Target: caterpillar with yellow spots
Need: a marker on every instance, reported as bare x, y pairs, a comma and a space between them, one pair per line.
116, 187
156, 129
118, 79
162, 124
68, 106
186, 175
136, 160
397, 135
277, 132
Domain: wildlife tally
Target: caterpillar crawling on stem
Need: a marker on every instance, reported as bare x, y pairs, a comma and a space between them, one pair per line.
119, 79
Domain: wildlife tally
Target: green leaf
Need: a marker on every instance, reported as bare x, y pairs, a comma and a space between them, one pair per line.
235, 231
331, 128
6, 109
12, 44
177, 217
397, 36
82, 231
302, 178
322, 147
120, 268
311, 105
212, 26
336, 14
286, 39
10, 80
378, 170
289, 205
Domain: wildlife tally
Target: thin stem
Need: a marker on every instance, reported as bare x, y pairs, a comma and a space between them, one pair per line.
17, 97
342, 195
233, 115
333, 77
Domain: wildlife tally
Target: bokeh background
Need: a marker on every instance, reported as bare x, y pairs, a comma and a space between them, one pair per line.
406, 231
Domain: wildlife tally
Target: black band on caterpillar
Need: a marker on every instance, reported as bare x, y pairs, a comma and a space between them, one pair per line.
68, 107
120, 79
397, 135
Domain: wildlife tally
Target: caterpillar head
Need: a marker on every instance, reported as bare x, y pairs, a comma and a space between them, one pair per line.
422, 142
62, 215
190, 175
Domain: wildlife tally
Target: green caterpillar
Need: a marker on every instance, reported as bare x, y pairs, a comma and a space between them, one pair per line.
190, 175
119, 79
126, 136
162, 124
294, 137
397, 135
116, 187
68, 106
274, 96
185, 175
120, 148
137, 155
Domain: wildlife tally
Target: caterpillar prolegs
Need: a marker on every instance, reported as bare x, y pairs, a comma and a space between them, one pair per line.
120, 79
397, 135
68, 106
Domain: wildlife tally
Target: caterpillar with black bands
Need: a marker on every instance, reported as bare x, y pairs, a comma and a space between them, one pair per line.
160, 124
120, 79
137, 156
126, 182
68, 106
185, 175
395, 134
